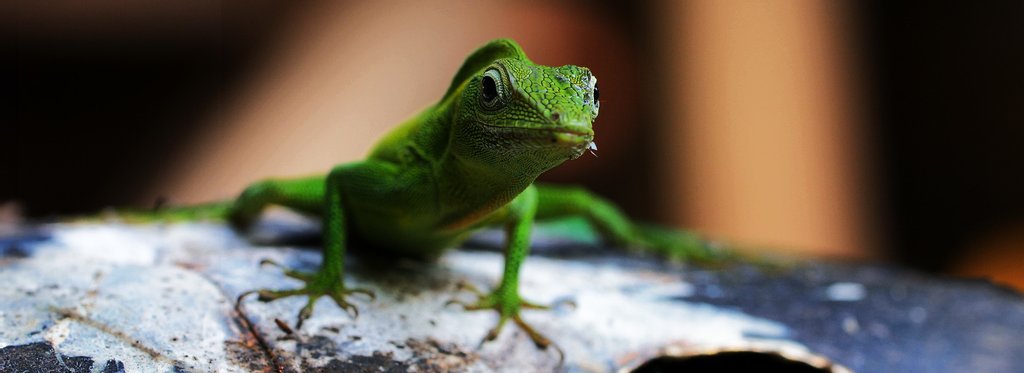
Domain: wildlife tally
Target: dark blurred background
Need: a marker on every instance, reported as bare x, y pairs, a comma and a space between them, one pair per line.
868, 130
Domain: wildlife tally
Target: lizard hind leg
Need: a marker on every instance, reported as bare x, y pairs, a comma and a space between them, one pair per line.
615, 227
304, 195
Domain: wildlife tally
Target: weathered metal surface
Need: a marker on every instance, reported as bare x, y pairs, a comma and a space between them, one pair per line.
115, 297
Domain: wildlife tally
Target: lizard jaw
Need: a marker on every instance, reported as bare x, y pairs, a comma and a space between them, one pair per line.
575, 136
570, 142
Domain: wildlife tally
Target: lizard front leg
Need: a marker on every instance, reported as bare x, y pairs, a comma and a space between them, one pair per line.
505, 298
329, 279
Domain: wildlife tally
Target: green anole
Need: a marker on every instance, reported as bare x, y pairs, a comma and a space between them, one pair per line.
467, 162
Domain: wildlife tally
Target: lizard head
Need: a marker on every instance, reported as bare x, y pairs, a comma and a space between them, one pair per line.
514, 113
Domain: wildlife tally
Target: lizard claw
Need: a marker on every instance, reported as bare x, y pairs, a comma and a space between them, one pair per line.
305, 312
368, 293
539, 340
464, 305
238, 301
298, 275
534, 306
455, 302
493, 333
349, 308
463, 285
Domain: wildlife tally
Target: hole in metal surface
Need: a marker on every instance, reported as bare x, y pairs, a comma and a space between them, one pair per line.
745, 361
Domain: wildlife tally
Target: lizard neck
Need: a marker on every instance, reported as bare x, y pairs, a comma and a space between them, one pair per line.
469, 193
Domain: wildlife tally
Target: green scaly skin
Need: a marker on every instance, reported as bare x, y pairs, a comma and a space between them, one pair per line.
467, 162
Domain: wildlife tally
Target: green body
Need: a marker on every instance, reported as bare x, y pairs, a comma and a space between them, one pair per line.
467, 162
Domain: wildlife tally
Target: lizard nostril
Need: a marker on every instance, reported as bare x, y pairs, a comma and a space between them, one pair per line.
555, 116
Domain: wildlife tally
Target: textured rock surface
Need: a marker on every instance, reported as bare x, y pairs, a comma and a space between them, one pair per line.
160, 298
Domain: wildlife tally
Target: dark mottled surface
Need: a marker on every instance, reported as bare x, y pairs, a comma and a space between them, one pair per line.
378, 363
905, 322
728, 362
18, 243
114, 367
41, 357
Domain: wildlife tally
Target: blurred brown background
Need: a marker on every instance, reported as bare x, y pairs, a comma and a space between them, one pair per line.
868, 130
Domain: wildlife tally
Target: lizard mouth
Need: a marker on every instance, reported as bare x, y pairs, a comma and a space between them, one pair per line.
568, 141
573, 136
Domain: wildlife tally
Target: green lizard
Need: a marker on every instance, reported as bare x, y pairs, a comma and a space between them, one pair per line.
467, 162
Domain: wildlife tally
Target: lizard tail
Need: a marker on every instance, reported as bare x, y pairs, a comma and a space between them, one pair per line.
211, 211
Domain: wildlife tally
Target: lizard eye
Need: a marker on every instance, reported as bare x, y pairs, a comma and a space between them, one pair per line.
596, 96
491, 89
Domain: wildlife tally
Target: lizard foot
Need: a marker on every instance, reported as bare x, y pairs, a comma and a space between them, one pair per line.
318, 284
507, 304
